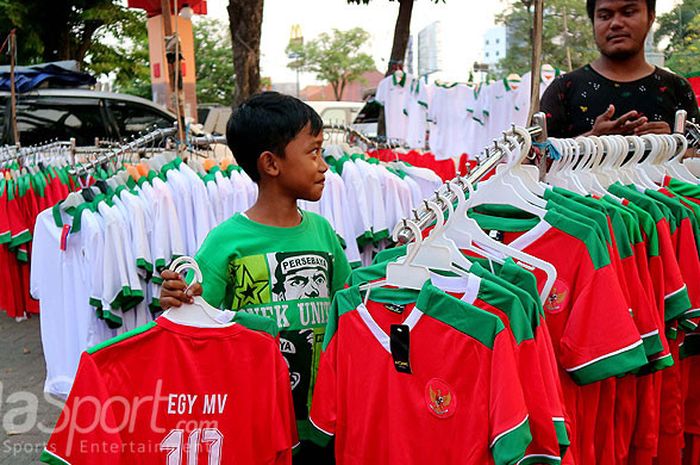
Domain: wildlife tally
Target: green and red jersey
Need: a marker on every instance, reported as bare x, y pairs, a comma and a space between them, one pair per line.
474, 416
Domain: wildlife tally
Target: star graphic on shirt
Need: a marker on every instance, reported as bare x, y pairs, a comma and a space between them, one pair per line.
248, 290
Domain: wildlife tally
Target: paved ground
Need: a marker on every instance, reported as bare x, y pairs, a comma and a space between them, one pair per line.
24, 412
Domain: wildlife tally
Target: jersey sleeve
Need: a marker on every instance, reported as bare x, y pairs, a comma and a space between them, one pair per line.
216, 283
87, 431
600, 338
285, 430
509, 428
676, 299
341, 266
382, 93
423, 96
324, 407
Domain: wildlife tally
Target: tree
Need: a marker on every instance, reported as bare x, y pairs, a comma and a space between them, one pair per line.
215, 76
567, 36
402, 30
681, 26
57, 29
120, 51
245, 23
335, 58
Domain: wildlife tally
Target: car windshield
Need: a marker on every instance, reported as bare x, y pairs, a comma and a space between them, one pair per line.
369, 113
43, 119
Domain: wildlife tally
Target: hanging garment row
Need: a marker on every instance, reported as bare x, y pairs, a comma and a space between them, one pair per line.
575, 309
460, 118
97, 254
26, 188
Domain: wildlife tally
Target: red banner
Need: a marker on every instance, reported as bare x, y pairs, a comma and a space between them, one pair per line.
152, 7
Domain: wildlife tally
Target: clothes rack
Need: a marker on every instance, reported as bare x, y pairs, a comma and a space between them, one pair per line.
335, 126
206, 140
424, 216
139, 142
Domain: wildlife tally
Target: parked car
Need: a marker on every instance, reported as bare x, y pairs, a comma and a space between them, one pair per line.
47, 114
367, 120
336, 111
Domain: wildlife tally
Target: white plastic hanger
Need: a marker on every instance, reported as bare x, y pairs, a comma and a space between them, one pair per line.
505, 189
404, 274
649, 165
466, 233
199, 313
628, 174
674, 167
529, 174
432, 250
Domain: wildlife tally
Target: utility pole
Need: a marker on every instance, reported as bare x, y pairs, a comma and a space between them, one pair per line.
13, 90
537, 27
172, 52
566, 41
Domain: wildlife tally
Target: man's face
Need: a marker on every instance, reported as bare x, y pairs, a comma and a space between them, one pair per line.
302, 167
306, 283
620, 27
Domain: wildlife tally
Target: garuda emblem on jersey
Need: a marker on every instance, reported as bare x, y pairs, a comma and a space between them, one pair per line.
440, 398
557, 298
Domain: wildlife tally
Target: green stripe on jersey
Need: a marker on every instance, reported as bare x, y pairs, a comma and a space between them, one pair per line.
649, 227
134, 332
510, 219
463, 317
624, 361
509, 448
676, 304
257, 323
51, 458
581, 211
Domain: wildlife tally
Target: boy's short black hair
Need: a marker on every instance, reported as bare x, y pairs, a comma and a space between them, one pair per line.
267, 122
590, 6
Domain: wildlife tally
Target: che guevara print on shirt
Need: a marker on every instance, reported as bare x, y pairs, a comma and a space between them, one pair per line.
294, 289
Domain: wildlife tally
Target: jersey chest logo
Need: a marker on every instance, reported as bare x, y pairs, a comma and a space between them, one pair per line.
440, 398
557, 298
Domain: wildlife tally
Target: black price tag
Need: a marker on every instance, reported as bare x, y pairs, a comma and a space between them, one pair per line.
498, 235
400, 343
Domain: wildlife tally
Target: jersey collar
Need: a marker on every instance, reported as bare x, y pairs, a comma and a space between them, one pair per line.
378, 333
401, 83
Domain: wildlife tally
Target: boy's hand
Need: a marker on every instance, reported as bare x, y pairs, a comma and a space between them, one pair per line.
173, 294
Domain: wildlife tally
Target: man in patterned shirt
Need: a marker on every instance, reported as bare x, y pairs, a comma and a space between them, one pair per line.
619, 92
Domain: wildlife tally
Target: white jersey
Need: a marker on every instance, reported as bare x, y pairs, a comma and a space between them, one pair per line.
203, 219
61, 281
391, 93
416, 106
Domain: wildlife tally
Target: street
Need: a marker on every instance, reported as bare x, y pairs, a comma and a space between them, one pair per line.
27, 418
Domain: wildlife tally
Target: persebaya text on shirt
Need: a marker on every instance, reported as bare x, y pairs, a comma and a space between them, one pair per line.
292, 288
288, 275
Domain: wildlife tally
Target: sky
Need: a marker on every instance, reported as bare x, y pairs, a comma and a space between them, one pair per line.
463, 24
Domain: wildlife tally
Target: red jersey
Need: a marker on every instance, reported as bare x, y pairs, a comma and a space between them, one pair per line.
593, 333
487, 296
461, 403
167, 393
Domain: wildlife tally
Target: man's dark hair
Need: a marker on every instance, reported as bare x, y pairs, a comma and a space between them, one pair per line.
267, 122
590, 6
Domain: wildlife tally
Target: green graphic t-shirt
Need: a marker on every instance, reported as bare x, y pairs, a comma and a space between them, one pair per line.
287, 274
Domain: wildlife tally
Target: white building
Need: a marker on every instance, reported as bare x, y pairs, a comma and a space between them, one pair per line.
494, 45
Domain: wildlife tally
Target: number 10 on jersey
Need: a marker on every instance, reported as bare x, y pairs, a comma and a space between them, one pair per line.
173, 443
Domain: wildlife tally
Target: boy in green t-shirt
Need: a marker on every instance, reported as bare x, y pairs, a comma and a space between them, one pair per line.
275, 260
